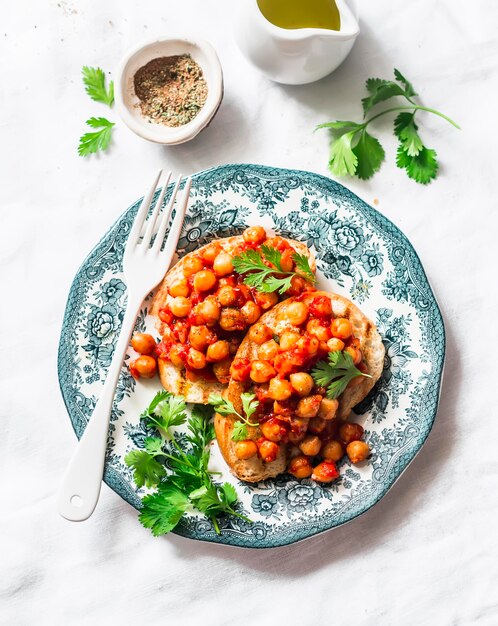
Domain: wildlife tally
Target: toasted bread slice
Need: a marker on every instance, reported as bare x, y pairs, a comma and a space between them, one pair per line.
254, 469
173, 378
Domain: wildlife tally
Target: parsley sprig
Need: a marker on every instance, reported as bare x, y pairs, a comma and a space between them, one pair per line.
354, 151
336, 373
225, 407
95, 87
268, 279
181, 478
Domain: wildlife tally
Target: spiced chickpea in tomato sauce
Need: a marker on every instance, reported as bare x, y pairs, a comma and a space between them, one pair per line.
209, 310
293, 410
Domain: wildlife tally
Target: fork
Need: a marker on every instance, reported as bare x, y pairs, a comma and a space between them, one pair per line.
144, 265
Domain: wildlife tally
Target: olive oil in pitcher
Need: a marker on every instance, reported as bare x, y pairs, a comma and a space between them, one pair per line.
292, 14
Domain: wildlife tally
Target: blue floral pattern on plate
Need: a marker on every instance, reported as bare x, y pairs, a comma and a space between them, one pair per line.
361, 255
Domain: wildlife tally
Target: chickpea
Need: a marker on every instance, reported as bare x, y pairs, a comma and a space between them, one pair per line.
302, 383
180, 288
226, 295
350, 432
287, 260
165, 315
180, 306
318, 329
282, 408
332, 450
325, 472
240, 369
265, 300
254, 235
143, 367
300, 467
209, 311
210, 252
357, 451
231, 319
259, 333
356, 355
196, 359
201, 337
268, 351
279, 389
288, 339
298, 285
223, 264
294, 312
245, 449
217, 351
317, 425
251, 312
274, 430
310, 445
308, 407
321, 306
191, 265
268, 450
308, 345
296, 437
204, 280
262, 371
328, 409
175, 355
335, 345
341, 328
143, 343
221, 370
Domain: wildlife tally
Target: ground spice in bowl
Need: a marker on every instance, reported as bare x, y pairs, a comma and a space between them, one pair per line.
171, 90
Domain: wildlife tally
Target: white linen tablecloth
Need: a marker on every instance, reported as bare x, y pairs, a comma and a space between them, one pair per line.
428, 552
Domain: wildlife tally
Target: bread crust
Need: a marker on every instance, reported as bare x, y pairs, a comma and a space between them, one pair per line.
254, 469
173, 378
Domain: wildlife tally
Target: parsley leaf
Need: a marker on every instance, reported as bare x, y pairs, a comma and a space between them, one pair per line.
268, 279
99, 140
226, 407
342, 159
303, 266
161, 511
405, 130
94, 80
423, 167
146, 470
171, 413
409, 90
369, 154
379, 91
336, 373
239, 432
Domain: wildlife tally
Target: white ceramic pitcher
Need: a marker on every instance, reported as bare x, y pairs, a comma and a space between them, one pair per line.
293, 56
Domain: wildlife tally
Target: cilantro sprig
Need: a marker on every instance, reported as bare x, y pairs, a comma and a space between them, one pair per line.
354, 151
95, 86
336, 373
225, 407
271, 278
180, 477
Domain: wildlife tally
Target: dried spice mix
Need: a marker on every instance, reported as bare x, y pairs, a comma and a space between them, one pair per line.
171, 90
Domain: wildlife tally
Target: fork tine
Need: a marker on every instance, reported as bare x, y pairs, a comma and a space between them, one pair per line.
142, 214
165, 217
176, 226
152, 220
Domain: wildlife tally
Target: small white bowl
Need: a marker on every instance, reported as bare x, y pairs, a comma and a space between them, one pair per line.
202, 53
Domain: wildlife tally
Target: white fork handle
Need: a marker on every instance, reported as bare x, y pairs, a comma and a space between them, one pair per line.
80, 488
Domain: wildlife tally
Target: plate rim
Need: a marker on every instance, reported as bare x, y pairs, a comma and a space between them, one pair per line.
116, 481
